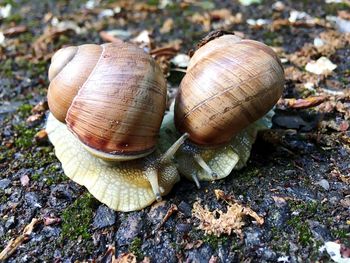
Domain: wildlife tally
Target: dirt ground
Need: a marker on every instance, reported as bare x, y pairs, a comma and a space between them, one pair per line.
297, 178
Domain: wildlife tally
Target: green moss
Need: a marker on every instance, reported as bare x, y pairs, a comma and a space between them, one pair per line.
272, 38
24, 110
214, 241
35, 177
333, 8
24, 137
305, 211
248, 173
77, 218
55, 179
135, 248
15, 18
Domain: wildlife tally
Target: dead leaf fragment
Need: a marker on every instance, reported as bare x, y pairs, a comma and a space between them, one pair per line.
51, 220
109, 37
41, 107
125, 258
195, 244
321, 66
168, 25
34, 118
173, 208
218, 222
302, 103
41, 136
16, 30
15, 243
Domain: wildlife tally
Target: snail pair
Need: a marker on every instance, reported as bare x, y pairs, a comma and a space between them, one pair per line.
112, 100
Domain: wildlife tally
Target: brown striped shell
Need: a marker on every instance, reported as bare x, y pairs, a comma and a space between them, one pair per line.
111, 96
229, 84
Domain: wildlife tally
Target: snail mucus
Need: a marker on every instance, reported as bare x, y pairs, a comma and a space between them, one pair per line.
107, 105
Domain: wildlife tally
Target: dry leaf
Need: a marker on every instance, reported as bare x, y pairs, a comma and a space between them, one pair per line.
168, 25
321, 66
218, 222
108, 37
302, 103
195, 244
171, 210
125, 258
13, 31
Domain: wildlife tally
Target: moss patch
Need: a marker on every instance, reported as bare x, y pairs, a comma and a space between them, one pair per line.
135, 248
77, 218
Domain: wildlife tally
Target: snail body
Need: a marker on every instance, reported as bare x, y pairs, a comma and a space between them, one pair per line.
107, 103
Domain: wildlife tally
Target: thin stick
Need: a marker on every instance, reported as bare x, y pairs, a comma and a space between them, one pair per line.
15, 243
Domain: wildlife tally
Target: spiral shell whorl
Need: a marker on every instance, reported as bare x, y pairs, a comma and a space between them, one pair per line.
229, 84
112, 97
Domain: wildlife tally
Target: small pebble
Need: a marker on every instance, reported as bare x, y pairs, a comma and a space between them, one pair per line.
184, 228
324, 184
10, 222
104, 217
185, 208
4, 183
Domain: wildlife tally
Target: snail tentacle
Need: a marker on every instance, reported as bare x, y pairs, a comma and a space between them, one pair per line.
169, 154
199, 160
152, 175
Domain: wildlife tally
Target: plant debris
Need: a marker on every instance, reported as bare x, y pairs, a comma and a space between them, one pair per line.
16, 242
322, 66
218, 222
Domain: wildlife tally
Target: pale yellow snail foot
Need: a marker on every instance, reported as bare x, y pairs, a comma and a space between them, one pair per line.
218, 163
122, 186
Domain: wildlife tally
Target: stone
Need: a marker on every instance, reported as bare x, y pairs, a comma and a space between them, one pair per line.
324, 184
32, 200
130, 228
184, 228
104, 217
267, 254
253, 237
49, 231
185, 208
319, 231
201, 254
161, 249
10, 223
4, 183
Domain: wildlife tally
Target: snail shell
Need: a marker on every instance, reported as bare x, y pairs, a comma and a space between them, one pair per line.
229, 84
111, 96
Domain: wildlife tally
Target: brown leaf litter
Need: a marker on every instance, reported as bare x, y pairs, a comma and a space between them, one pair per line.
218, 222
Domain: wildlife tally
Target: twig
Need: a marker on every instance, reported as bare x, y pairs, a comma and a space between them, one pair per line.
15, 243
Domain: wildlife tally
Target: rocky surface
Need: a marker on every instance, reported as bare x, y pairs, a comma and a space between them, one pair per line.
297, 178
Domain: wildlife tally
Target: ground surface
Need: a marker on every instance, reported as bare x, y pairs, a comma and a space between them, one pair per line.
297, 178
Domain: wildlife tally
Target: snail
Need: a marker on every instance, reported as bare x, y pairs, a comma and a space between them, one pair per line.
230, 84
107, 103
